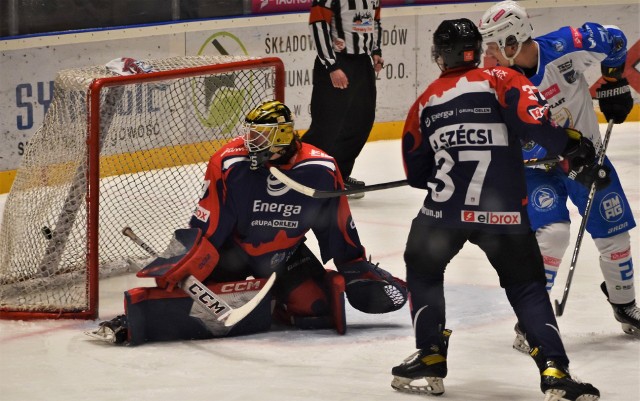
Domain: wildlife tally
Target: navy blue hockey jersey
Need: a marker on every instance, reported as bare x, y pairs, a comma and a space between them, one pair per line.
267, 219
462, 142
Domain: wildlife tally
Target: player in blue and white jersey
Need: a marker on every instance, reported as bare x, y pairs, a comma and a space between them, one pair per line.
461, 142
555, 63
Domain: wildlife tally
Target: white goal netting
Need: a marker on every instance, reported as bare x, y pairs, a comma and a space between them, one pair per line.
152, 136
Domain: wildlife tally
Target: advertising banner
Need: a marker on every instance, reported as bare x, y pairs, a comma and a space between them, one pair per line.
26, 84
279, 6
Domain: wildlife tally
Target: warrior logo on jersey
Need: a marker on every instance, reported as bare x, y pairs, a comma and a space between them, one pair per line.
611, 207
275, 187
544, 199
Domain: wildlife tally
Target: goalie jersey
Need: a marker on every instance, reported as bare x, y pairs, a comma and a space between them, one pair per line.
462, 142
252, 210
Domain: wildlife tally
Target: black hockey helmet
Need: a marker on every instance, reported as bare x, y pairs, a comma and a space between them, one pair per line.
456, 43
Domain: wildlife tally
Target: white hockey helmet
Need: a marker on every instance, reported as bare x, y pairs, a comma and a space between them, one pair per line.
506, 23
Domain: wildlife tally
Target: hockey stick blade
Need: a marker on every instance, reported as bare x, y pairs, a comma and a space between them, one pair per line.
240, 313
315, 193
559, 308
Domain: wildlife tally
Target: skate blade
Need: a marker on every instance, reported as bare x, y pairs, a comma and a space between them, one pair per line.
107, 336
558, 395
631, 330
434, 385
520, 344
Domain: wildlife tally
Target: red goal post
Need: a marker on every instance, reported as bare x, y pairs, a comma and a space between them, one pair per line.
117, 151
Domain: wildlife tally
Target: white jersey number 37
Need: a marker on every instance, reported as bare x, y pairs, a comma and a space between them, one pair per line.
446, 163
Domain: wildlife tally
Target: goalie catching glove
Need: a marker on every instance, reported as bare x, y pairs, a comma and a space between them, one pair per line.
371, 289
580, 164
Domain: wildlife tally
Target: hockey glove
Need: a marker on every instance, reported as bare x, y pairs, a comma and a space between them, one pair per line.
579, 151
600, 175
615, 100
579, 162
371, 289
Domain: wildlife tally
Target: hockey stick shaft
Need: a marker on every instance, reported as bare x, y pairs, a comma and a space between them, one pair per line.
128, 232
587, 211
536, 162
315, 193
206, 298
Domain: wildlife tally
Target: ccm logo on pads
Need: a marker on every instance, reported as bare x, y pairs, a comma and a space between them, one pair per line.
249, 285
469, 216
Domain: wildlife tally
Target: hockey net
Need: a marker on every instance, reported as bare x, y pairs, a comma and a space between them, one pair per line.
117, 151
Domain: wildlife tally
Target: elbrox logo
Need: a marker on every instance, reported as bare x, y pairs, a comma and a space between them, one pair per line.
470, 216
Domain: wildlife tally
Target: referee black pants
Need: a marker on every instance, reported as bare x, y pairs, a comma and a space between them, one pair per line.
341, 119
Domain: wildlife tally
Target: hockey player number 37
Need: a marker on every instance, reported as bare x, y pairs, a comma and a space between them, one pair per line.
446, 163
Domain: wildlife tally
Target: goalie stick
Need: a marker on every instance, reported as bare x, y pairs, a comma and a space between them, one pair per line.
208, 299
587, 210
316, 193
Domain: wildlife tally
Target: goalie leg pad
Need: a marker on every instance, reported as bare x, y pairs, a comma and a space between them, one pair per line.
153, 314
313, 307
308, 296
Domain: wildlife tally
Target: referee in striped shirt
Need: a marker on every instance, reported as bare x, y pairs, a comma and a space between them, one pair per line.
343, 101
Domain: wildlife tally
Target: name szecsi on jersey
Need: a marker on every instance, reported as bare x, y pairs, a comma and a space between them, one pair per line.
462, 141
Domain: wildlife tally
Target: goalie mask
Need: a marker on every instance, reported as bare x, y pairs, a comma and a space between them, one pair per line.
456, 43
268, 129
506, 24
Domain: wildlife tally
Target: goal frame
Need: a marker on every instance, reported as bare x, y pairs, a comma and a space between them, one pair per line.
92, 188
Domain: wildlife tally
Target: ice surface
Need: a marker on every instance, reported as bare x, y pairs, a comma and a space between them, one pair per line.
54, 360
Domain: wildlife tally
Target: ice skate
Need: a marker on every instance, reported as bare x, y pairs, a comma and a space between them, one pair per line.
557, 384
423, 371
112, 331
520, 343
352, 183
627, 314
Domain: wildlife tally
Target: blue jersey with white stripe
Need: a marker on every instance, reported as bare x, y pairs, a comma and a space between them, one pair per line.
563, 57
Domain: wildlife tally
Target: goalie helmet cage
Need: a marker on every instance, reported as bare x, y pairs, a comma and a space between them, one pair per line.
117, 151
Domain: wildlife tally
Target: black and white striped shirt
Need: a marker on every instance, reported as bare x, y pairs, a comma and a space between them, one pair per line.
345, 26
